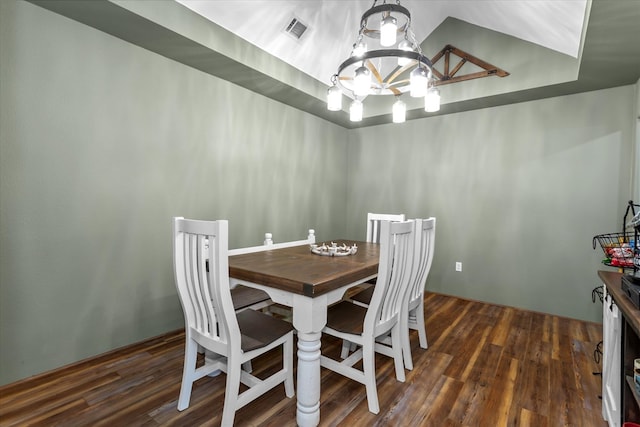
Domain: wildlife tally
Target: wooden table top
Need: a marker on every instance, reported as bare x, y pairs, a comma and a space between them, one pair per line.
298, 270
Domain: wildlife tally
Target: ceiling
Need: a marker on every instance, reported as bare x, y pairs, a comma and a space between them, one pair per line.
549, 47
333, 25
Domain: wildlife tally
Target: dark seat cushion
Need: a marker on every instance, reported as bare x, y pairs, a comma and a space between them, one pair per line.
244, 296
259, 329
364, 296
346, 317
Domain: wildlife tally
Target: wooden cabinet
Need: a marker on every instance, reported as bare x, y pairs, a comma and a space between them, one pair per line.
621, 345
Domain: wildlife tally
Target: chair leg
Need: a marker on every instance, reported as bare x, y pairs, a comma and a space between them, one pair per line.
188, 373
287, 361
422, 331
369, 369
406, 343
231, 394
396, 345
247, 366
347, 347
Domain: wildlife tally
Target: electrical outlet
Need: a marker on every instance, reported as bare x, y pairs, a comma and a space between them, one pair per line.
458, 266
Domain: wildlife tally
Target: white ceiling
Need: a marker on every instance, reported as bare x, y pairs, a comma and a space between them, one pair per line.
333, 24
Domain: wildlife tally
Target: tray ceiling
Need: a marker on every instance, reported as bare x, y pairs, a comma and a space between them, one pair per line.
333, 25
548, 47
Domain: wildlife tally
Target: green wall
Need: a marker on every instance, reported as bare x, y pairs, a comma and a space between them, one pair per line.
518, 191
102, 142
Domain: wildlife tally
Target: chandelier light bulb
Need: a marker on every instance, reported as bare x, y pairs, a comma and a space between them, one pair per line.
388, 31
334, 98
362, 81
359, 49
407, 47
432, 100
399, 111
355, 111
418, 82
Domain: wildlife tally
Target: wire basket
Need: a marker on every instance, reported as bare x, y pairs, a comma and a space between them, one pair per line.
618, 249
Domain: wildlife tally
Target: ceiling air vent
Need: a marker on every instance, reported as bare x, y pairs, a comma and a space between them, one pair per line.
296, 28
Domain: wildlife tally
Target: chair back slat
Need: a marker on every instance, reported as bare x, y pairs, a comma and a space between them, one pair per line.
202, 278
397, 247
425, 244
373, 224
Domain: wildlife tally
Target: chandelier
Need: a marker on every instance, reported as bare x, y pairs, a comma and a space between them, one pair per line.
386, 60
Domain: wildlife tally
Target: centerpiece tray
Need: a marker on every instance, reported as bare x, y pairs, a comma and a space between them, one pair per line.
332, 249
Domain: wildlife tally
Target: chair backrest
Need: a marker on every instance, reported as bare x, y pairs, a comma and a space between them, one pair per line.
425, 239
373, 224
268, 244
397, 252
205, 295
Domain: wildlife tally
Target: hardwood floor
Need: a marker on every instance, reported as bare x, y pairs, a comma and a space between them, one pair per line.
486, 365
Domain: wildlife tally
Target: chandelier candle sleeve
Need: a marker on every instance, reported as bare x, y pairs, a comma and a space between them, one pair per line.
407, 47
388, 30
418, 82
355, 111
399, 112
432, 100
362, 81
334, 98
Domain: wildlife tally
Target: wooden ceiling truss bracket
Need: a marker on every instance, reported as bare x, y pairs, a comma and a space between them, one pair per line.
449, 75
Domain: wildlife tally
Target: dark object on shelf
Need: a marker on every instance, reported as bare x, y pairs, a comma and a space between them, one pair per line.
631, 287
622, 249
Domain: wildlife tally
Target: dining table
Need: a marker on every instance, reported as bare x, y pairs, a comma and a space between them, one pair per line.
308, 283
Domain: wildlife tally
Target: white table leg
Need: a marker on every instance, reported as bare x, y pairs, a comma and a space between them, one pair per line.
309, 317
308, 382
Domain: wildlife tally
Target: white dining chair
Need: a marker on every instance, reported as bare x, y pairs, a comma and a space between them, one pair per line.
413, 307
230, 338
373, 224
362, 326
373, 236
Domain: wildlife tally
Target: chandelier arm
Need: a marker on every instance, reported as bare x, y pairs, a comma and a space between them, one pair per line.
398, 72
381, 53
399, 82
374, 70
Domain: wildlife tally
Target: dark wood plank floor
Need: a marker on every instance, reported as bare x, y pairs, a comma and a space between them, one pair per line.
486, 365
